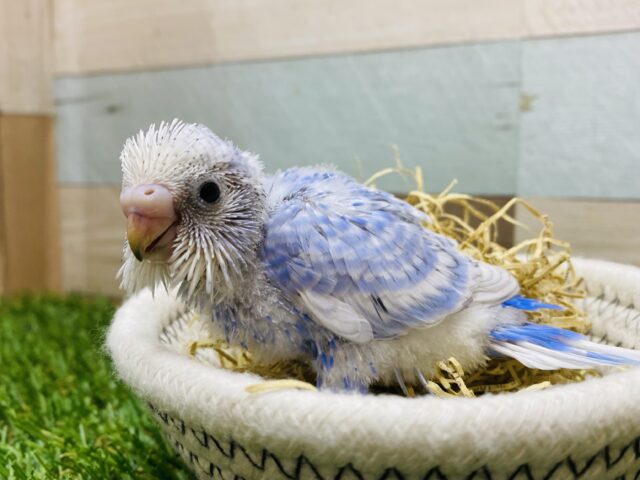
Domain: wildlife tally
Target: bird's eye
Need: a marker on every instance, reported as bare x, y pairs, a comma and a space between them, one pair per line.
210, 192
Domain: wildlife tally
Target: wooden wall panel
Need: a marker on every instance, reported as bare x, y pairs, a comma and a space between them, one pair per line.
549, 18
94, 36
29, 255
607, 230
28, 204
93, 234
98, 36
26, 57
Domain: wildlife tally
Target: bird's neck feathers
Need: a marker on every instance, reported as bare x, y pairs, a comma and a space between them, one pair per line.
213, 271
205, 269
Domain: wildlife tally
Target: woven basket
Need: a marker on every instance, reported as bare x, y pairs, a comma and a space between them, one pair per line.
583, 430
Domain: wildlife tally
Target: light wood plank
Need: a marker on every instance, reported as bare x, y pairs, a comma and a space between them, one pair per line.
93, 36
606, 230
98, 36
28, 204
92, 239
26, 55
546, 18
74, 228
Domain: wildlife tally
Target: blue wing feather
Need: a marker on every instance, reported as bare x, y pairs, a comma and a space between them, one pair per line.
328, 235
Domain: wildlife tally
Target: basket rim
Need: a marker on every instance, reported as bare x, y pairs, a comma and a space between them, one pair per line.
341, 428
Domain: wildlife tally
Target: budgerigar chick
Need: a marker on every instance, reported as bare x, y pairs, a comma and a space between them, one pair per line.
308, 263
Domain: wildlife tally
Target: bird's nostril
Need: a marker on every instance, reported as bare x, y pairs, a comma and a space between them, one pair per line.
148, 200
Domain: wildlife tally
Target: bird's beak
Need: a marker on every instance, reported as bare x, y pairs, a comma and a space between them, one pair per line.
151, 221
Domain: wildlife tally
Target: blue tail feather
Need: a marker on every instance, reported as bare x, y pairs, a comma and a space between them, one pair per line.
549, 348
523, 303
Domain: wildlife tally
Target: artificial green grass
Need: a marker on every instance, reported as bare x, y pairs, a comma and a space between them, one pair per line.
63, 414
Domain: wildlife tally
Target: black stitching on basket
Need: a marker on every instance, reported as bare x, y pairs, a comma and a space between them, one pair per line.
607, 456
205, 438
302, 460
263, 457
636, 447
553, 470
232, 446
386, 475
577, 473
348, 468
435, 471
484, 470
178, 426
213, 468
162, 415
390, 473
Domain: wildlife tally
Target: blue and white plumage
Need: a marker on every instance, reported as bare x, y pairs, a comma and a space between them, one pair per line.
309, 263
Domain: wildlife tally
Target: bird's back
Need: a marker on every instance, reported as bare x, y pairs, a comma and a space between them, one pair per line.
362, 261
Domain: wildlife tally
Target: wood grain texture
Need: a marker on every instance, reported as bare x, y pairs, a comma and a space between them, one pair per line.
98, 36
28, 204
26, 56
92, 233
606, 230
546, 18
453, 110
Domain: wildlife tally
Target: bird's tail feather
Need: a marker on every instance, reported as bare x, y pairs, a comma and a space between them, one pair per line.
549, 348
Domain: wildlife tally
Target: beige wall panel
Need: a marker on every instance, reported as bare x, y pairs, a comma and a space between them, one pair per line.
569, 17
92, 237
25, 56
96, 35
73, 232
595, 229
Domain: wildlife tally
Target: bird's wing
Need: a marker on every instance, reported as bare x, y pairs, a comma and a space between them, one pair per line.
362, 264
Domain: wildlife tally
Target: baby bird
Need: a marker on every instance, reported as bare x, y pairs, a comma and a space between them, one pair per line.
310, 264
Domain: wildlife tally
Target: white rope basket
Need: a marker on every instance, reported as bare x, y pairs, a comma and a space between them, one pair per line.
583, 430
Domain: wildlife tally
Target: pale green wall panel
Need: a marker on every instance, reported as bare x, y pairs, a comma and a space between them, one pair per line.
581, 136
453, 110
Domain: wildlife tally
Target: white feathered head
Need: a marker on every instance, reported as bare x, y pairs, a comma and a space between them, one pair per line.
195, 207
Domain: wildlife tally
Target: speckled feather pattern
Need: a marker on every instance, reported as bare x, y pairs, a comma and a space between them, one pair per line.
339, 241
